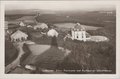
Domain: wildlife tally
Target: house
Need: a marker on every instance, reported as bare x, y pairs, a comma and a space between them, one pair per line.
22, 23
52, 33
18, 36
79, 33
40, 26
29, 26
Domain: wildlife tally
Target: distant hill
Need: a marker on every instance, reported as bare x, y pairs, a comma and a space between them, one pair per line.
28, 12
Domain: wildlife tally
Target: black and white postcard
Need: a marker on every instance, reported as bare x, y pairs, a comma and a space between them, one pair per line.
59, 39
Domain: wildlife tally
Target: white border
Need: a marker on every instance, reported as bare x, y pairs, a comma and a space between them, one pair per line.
63, 76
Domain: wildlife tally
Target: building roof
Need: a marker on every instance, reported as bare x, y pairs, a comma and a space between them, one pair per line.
79, 26
52, 32
18, 34
41, 25
22, 23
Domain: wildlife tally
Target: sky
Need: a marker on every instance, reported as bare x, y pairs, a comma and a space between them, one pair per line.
59, 5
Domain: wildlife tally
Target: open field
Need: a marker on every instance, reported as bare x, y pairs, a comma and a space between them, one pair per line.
84, 55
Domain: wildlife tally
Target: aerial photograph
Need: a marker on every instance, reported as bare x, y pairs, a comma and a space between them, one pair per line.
60, 37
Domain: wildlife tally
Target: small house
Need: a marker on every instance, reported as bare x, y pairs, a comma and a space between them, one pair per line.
18, 36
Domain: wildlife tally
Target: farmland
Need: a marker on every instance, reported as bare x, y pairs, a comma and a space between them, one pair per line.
84, 55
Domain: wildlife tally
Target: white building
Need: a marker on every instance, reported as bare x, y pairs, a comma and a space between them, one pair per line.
52, 33
40, 25
22, 23
29, 26
79, 33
